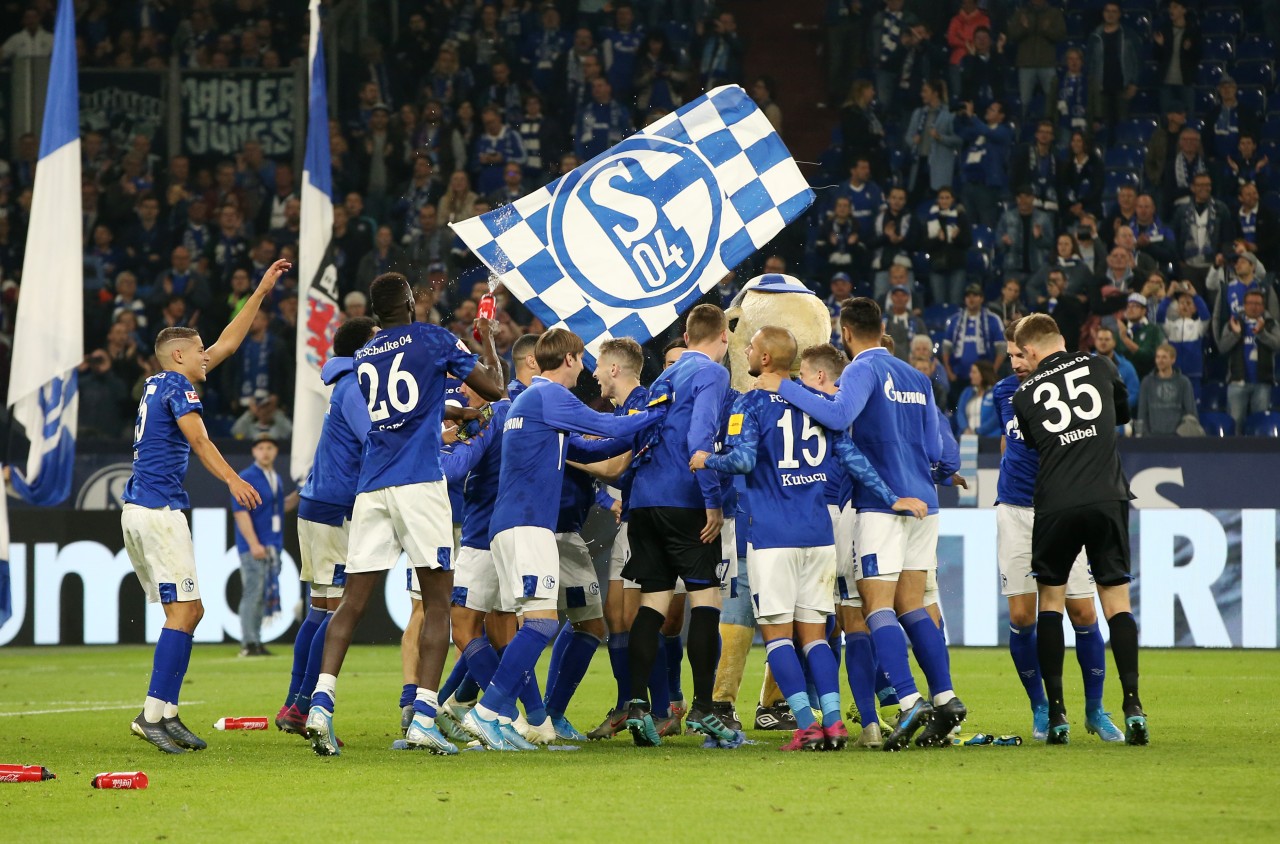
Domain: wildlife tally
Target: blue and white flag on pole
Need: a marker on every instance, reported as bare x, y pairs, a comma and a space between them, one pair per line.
627, 242
48, 337
318, 311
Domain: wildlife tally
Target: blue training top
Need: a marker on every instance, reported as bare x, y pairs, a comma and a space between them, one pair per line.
329, 492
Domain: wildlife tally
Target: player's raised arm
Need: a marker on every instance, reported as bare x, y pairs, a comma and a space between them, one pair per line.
839, 411
566, 412
486, 378
192, 427
233, 335
743, 443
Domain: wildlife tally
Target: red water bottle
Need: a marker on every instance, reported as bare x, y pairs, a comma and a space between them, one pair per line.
126, 779
26, 773
488, 307
254, 723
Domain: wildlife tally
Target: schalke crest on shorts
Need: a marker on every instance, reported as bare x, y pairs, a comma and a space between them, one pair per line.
628, 241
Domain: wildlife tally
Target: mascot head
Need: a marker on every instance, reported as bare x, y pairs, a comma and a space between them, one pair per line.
773, 299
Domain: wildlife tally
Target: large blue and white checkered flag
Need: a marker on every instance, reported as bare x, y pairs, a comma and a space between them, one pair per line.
627, 242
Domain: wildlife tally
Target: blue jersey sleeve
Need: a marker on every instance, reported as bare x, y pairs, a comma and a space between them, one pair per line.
182, 399
453, 357
356, 413
603, 499
837, 413
458, 460
560, 409
950, 462
860, 469
743, 442
710, 385
932, 436
583, 450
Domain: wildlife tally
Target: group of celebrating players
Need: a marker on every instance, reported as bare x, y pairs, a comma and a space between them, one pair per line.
805, 507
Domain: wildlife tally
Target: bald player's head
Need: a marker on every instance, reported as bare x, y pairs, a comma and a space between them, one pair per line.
772, 349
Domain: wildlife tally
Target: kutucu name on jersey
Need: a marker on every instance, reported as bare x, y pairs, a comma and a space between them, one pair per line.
902, 396
1075, 436
801, 480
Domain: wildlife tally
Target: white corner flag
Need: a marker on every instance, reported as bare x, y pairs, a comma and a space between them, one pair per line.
318, 311
48, 338
627, 242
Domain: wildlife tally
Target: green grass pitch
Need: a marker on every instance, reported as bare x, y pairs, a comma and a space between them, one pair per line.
1211, 768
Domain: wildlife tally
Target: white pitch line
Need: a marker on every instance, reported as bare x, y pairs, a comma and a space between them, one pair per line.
82, 709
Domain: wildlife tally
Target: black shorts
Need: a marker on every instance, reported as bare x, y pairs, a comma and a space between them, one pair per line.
665, 545
1102, 529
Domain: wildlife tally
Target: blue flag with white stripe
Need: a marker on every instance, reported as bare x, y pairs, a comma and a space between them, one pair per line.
630, 240
48, 341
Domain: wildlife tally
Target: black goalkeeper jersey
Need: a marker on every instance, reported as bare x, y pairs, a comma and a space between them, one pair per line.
1068, 410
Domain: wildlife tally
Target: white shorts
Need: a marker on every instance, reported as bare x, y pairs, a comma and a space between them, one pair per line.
414, 518
792, 584
579, 588
1013, 549
528, 562
728, 568
619, 554
844, 523
160, 548
888, 545
324, 557
476, 583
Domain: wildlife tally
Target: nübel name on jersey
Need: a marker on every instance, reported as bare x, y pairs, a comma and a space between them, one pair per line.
1075, 436
380, 348
902, 396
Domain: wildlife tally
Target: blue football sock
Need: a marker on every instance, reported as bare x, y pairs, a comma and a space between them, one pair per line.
659, 682
557, 654
621, 666
1092, 656
481, 660
810, 690
930, 649
942, 627
573, 667
187, 641
675, 662
787, 673
825, 672
519, 659
315, 655
301, 648
166, 664
530, 696
1022, 647
860, 665
456, 675
833, 637
891, 652
407, 694
468, 690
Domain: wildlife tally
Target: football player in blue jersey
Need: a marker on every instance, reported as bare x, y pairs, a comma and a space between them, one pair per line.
324, 515
168, 429
897, 431
791, 558
401, 503
534, 448
1015, 515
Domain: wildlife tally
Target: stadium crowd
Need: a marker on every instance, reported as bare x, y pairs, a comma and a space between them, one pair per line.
1111, 164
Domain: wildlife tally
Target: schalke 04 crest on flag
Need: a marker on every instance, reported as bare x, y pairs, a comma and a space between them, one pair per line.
628, 241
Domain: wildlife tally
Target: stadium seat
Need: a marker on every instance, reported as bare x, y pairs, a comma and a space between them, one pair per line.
1217, 49
1220, 22
1264, 424
1271, 201
1136, 131
977, 262
1213, 395
982, 238
1116, 178
1258, 72
1253, 47
1149, 76
1124, 157
1208, 73
1148, 6
1217, 424
1275, 397
1253, 98
1138, 22
1206, 100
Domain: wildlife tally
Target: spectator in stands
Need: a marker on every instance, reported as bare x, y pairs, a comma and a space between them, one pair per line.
459, 201
1165, 398
925, 362
1231, 282
985, 166
982, 71
1250, 341
1245, 165
541, 138
1037, 28
428, 242
960, 36
1080, 180
922, 59
1124, 215
263, 418
384, 257
1182, 168
1177, 55
1070, 311
227, 248
976, 409
435, 139
762, 93
1025, 236
1256, 227
601, 124
377, 156
147, 240
449, 83
947, 239
1154, 237
972, 335
1089, 246
1203, 230
31, 42
1036, 164
931, 143
1113, 68
1184, 317
862, 132
1009, 305
182, 279
172, 315
126, 300
544, 50
271, 214
721, 51
1138, 336
661, 74
899, 323
122, 348
866, 201
495, 147
1073, 96
105, 405
1105, 346
1226, 121
103, 259
260, 363
577, 68
355, 304
838, 240
896, 236
888, 27
464, 129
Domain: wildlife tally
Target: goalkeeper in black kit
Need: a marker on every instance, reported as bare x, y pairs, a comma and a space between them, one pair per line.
1068, 410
